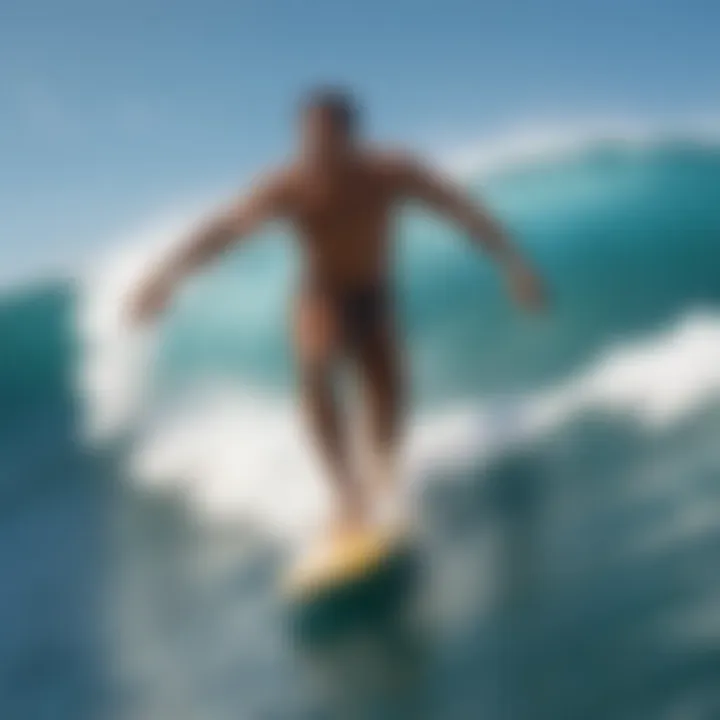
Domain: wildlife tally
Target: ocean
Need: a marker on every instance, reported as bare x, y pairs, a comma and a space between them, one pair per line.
564, 471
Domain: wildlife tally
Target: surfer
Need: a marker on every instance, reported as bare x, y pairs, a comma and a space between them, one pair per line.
339, 195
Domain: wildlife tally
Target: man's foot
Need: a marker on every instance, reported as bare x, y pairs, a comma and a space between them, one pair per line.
351, 517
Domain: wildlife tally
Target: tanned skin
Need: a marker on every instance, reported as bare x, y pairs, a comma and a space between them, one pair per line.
339, 196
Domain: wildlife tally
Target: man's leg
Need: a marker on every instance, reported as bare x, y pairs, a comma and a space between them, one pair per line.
317, 349
381, 374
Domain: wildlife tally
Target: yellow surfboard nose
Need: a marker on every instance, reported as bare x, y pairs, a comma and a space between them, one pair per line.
341, 560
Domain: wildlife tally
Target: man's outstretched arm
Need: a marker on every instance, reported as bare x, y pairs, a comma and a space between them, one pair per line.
267, 200
448, 199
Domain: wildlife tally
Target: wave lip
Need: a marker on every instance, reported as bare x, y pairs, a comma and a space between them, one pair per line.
526, 145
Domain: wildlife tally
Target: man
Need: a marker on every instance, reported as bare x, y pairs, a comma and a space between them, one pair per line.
339, 195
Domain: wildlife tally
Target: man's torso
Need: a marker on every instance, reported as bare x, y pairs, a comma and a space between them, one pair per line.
343, 218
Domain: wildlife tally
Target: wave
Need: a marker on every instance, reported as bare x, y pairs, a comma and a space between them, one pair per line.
566, 467
627, 238
625, 226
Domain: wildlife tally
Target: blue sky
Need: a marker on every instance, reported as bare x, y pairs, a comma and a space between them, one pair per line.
114, 111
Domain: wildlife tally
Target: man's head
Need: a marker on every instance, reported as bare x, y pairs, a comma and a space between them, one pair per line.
328, 119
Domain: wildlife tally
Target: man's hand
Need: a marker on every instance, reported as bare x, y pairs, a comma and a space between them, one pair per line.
526, 287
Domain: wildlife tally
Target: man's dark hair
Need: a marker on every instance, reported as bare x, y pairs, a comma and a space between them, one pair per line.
338, 103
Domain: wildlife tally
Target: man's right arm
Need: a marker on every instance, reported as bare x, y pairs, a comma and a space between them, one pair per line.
267, 200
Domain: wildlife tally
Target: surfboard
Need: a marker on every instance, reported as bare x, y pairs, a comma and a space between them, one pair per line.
342, 585
344, 560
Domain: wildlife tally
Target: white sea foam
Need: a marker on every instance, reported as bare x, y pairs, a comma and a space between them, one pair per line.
114, 364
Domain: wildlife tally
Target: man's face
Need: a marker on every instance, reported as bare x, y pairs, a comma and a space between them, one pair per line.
323, 138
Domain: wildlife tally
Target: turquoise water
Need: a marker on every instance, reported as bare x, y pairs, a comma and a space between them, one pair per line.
569, 515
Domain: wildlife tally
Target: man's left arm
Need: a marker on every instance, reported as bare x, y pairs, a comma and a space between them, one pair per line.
448, 199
